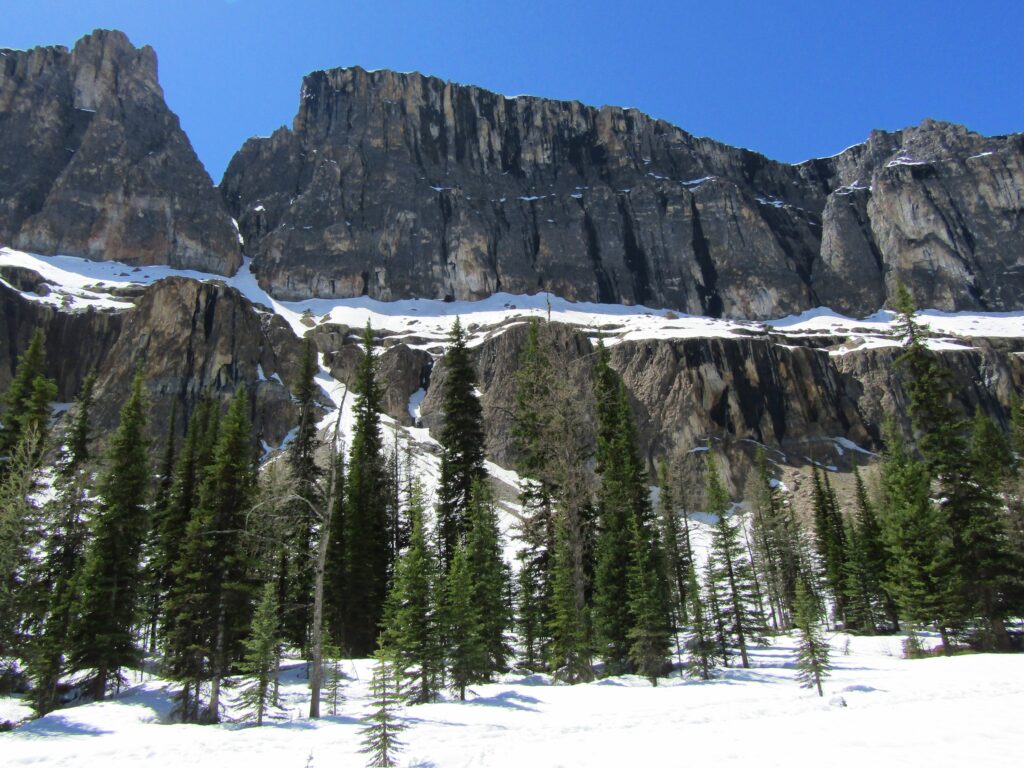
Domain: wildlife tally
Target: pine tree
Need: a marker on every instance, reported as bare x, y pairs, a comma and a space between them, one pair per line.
830, 536
365, 515
812, 659
411, 636
702, 644
649, 633
673, 544
260, 661
570, 634
380, 734
152, 575
299, 543
27, 402
462, 444
211, 602
731, 571
16, 535
922, 575
63, 552
466, 647
109, 595
490, 577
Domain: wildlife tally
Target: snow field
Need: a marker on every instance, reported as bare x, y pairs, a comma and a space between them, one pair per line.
934, 712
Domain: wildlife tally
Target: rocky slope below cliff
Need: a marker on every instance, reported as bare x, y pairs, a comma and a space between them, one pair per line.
94, 164
399, 185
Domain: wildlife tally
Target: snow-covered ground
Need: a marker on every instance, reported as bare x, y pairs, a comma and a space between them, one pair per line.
960, 711
79, 283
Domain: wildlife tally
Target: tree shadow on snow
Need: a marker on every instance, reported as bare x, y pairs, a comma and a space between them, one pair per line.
57, 725
508, 700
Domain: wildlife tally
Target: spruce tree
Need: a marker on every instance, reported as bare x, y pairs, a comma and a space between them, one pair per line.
17, 514
489, 578
570, 635
466, 648
411, 636
260, 660
830, 536
649, 633
812, 659
211, 604
26, 404
109, 589
677, 555
298, 545
365, 536
462, 444
732, 577
380, 734
63, 551
702, 643
923, 576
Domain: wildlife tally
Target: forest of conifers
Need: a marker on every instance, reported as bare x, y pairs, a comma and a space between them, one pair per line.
213, 561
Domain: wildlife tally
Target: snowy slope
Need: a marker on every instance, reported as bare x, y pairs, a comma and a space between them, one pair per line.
936, 712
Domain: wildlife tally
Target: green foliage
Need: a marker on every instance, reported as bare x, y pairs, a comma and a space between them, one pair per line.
298, 542
570, 632
411, 637
109, 593
830, 537
649, 633
812, 659
210, 603
55, 579
731, 573
17, 535
365, 535
380, 733
463, 620
489, 576
462, 444
27, 402
260, 660
675, 546
703, 649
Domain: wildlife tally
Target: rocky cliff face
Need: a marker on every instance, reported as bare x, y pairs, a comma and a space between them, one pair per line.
790, 395
189, 337
399, 185
94, 164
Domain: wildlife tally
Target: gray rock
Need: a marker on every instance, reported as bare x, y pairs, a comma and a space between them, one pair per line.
94, 164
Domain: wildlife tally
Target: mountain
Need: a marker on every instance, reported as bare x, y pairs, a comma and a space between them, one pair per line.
394, 186
399, 185
94, 164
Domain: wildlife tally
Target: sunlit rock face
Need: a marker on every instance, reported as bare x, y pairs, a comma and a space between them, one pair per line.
94, 164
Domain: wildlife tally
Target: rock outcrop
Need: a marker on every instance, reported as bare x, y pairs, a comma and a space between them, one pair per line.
399, 185
94, 164
188, 337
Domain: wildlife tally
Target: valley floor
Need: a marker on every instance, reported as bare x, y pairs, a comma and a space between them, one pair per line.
959, 711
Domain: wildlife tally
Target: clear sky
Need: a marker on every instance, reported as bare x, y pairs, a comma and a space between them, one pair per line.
788, 78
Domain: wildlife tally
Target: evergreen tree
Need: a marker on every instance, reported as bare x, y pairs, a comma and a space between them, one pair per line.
866, 566
462, 444
489, 577
171, 519
702, 644
63, 552
411, 637
732, 577
299, 542
812, 659
673, 544
922, 575
830, 536
211, 602
570, 636
649, 633
466, 647
380, 734
365, 536
260, 660
109, 588
335, 590
17, 515
27, 402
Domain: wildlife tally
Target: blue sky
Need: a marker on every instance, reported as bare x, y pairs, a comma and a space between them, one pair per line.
789, 79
